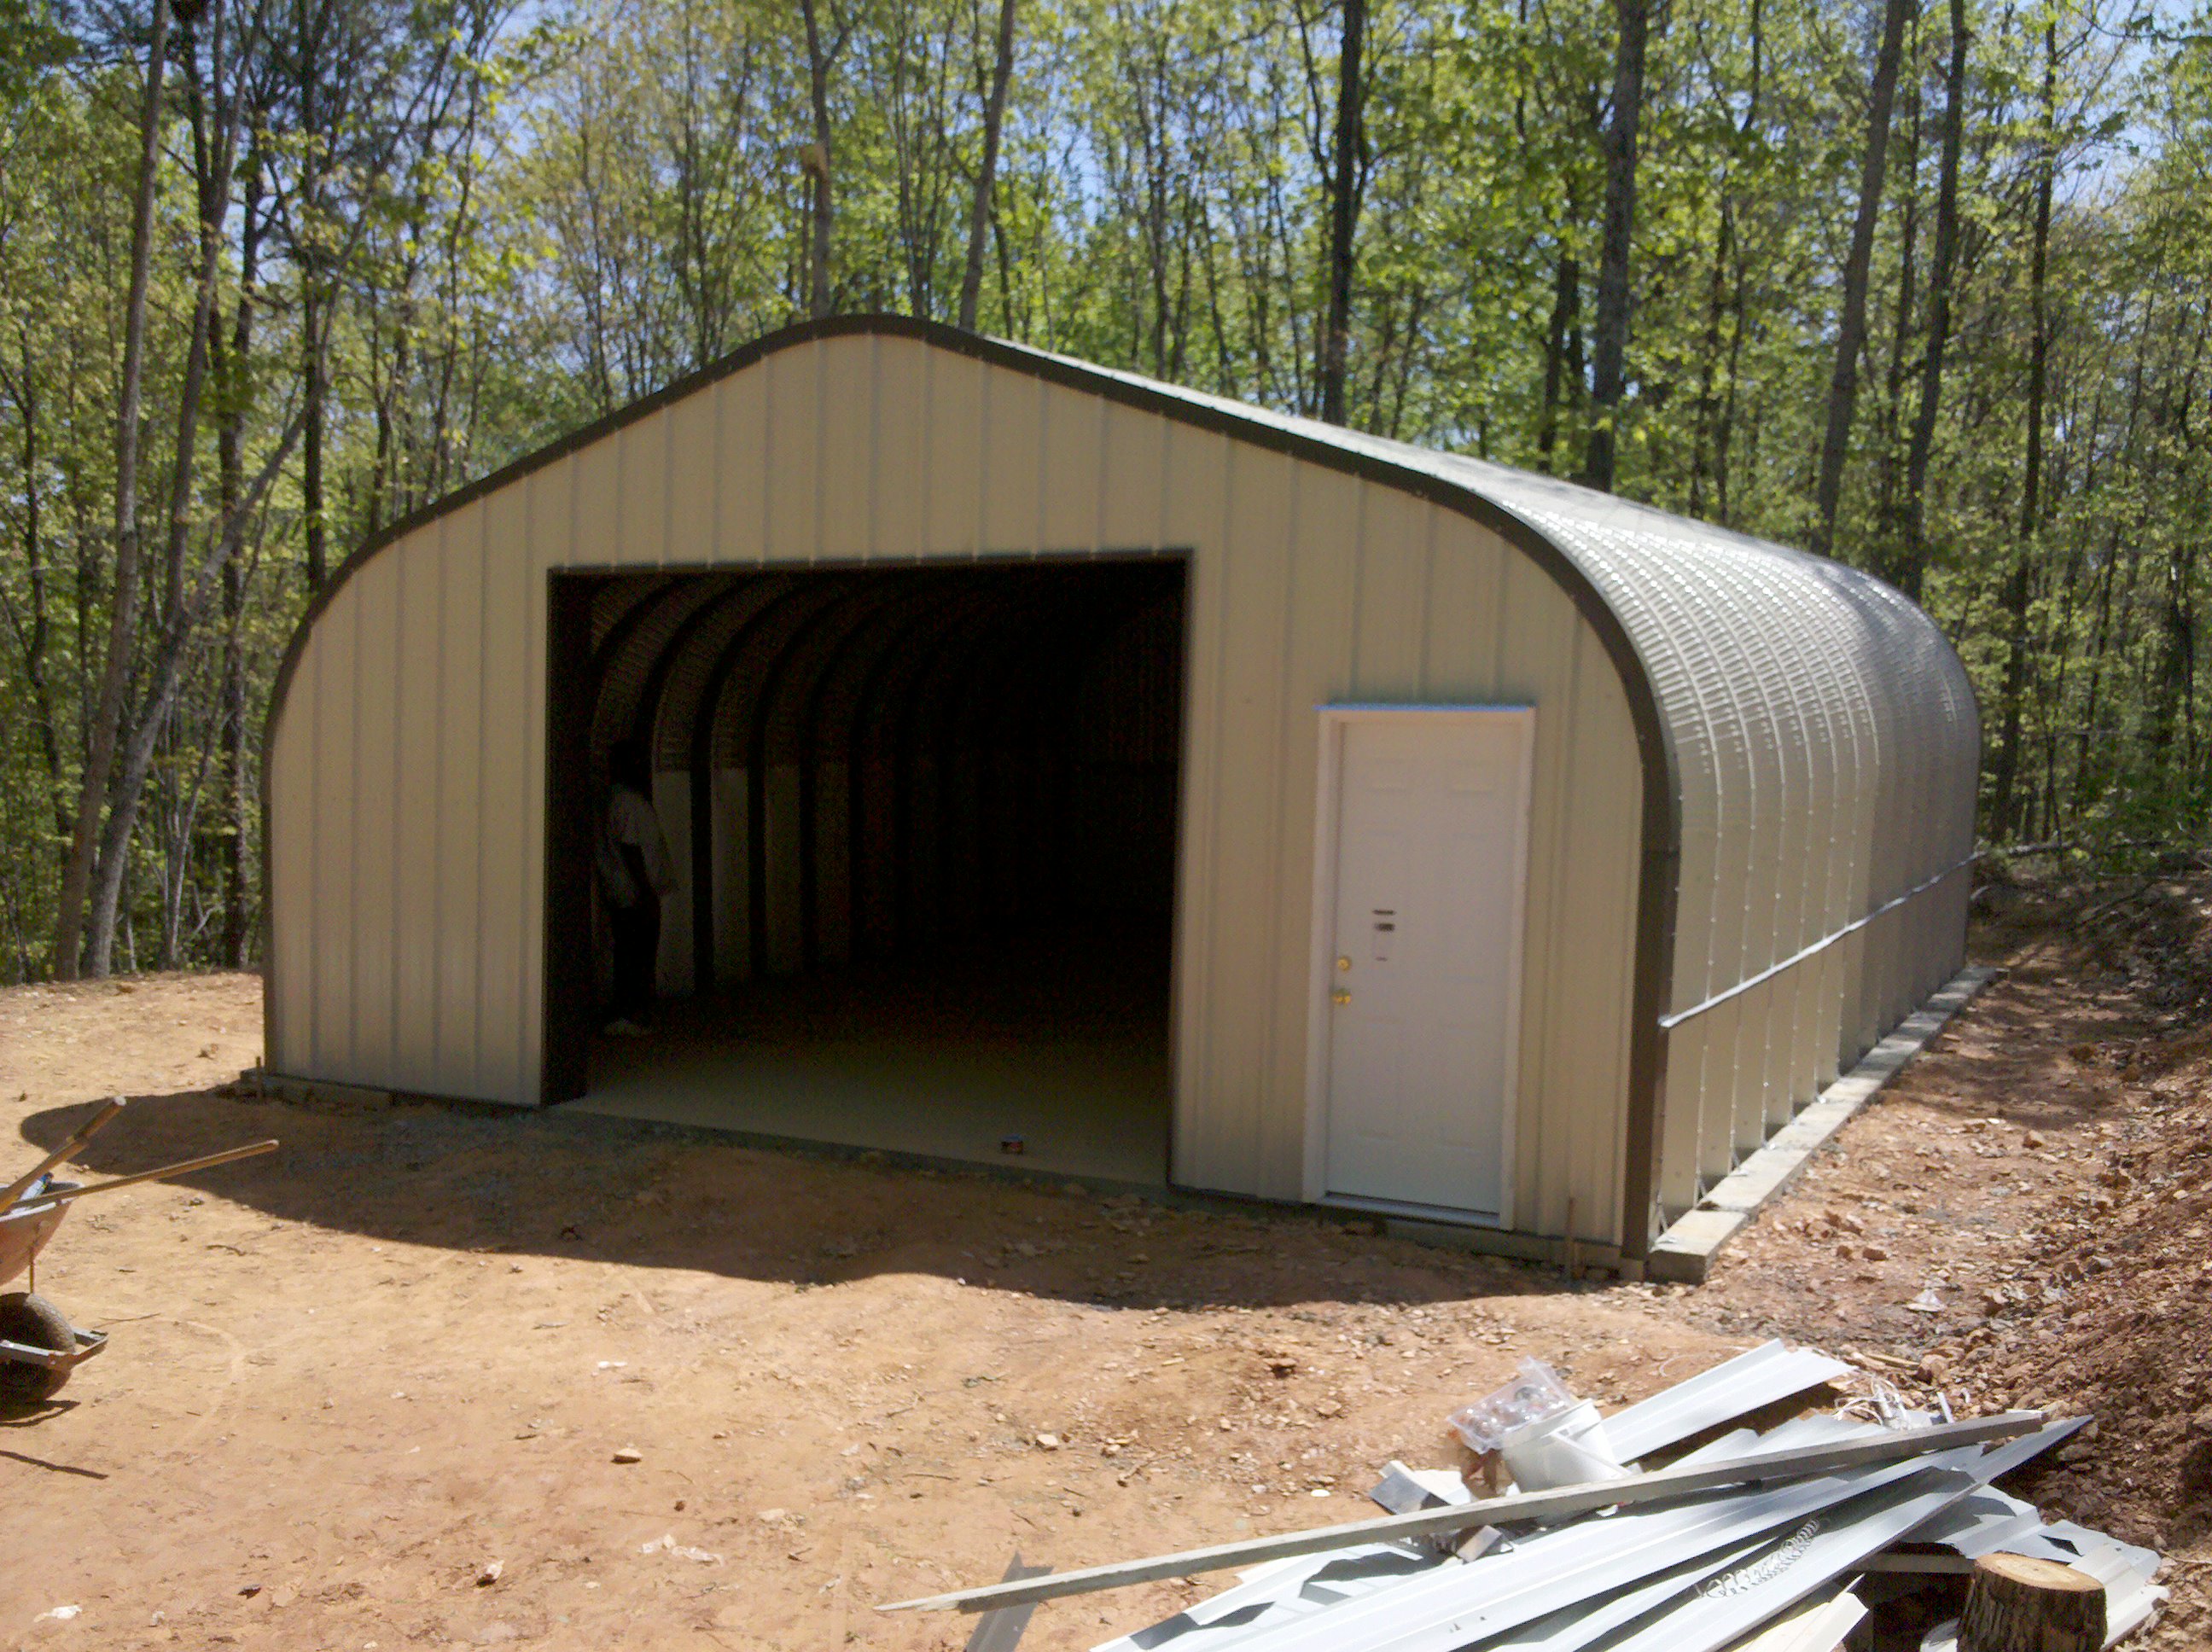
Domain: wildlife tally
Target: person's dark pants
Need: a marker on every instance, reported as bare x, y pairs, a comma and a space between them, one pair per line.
637, 946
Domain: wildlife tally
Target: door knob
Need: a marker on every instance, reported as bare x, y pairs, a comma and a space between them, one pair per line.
1341, 995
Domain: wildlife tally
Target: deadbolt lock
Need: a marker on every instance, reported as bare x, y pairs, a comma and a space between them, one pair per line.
1341, 995
1344, 963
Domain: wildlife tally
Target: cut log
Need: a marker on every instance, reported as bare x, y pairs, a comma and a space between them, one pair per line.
2020, 1604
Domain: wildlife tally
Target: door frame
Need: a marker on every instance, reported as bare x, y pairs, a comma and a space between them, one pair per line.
1334, 719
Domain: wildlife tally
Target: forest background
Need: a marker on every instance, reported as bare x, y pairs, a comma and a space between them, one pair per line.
1924, 284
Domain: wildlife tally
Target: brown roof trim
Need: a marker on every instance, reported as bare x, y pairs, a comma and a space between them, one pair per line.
1662, 837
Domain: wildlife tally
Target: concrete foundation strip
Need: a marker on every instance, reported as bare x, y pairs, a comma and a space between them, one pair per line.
1686, 1250
1894, 1446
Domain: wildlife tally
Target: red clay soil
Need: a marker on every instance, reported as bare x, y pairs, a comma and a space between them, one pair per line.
350, 1382
2044, 1171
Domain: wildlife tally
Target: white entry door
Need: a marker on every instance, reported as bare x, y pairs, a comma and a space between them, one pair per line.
1422, 911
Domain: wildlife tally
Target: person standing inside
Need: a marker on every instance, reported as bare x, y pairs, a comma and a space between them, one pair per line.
635, 873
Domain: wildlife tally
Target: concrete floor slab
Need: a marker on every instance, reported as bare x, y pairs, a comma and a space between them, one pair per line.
1057, 1042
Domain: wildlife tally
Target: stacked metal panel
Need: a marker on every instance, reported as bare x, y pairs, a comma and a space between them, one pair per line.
1699, 1573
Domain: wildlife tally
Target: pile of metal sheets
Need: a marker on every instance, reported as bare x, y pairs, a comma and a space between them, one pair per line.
1754, 1568
1774, 1541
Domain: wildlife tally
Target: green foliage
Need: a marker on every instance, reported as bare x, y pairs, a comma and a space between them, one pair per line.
513, 220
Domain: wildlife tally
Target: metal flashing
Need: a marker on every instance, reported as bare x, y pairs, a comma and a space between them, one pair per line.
1770, 1372
1817, 1552
1453, 1608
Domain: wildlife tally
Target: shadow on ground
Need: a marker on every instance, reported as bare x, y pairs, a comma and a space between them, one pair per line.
649, 1195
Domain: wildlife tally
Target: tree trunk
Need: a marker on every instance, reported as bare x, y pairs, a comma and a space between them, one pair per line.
216, 162
233, 384
1707, 438
987, 175
37, 639
2019, 590
314, 356
2173, 684
822, 213
1345, 162
1724, 425
2015, 1601
1912, 566
1888, 512
165, 672
123, 615
1851, 325
312, 506
1566, 303
211, 180
1609, 375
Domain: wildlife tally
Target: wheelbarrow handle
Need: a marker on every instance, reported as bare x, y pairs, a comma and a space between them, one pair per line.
68, 1194
85, 1132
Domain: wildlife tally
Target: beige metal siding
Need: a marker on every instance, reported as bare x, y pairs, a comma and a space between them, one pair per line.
406, 875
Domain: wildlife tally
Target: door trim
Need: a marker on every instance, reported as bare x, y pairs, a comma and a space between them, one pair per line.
1333, 720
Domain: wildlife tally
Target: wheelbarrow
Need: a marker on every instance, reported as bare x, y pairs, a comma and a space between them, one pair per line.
38, 1347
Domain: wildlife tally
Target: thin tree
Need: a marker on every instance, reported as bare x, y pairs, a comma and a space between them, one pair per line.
123, 614
313, 26
1851, 325
979, 215
2019, 588
1609, 354
227, 56
232, 357
821, 53
1347, 159
1912, 563
1562, 357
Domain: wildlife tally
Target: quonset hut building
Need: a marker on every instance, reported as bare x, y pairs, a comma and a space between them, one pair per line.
1175, 792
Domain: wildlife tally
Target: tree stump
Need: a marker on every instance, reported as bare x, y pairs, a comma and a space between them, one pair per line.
2017, 1604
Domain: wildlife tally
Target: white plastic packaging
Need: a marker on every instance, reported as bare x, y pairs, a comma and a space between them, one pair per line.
1545, 1437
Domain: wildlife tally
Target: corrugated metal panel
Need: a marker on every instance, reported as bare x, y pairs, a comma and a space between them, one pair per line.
513, 621
459, 851
1822, 734
1785, 666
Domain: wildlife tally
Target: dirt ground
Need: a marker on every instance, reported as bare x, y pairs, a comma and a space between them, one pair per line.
375, 1391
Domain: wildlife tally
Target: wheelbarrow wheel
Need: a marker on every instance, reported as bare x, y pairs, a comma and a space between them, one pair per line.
36, 1323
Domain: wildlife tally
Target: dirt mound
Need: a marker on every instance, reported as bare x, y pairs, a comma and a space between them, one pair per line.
2112, 1313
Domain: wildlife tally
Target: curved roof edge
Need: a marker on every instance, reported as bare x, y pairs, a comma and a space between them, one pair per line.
1556, 523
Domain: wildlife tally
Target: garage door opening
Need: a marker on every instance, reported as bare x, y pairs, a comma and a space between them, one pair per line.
922, 825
